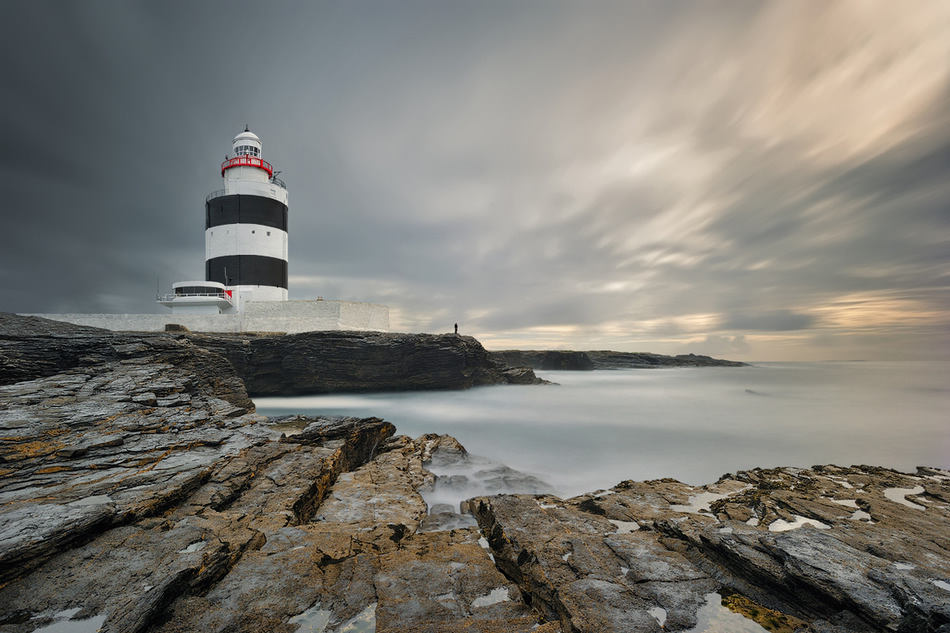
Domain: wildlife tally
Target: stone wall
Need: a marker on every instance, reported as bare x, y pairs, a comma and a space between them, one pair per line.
260, 316
364, 313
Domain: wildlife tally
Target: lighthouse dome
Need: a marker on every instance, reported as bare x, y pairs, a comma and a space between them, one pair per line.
247, 143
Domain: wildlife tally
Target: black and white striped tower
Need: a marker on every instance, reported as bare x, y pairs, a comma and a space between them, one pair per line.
246, 226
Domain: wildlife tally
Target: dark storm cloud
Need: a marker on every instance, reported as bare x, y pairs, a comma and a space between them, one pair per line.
611, 175
92, 177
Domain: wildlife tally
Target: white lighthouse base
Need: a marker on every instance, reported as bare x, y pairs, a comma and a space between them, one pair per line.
290, 317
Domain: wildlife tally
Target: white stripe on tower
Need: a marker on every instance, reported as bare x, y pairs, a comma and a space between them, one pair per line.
245, 239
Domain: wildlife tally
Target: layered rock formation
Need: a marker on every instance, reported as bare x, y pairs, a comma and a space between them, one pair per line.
547, 360
605, 359
268, 364
584, 361
325, 362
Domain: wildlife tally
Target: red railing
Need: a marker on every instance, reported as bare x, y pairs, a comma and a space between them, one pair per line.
247, 161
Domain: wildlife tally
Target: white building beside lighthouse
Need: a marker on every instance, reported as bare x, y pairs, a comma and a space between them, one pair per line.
245, 288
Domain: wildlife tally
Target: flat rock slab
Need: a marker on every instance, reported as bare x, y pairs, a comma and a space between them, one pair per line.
588, 572
835, 544
842, 549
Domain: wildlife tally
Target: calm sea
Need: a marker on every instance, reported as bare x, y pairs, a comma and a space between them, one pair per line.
594, 429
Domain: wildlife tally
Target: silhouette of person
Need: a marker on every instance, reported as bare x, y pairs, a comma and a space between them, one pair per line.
456, 328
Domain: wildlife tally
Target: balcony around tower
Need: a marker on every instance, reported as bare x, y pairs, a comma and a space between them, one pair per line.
246, 160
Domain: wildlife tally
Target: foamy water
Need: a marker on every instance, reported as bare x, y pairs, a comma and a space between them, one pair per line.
595, 429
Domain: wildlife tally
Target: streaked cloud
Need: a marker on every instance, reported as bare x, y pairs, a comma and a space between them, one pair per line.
758, 180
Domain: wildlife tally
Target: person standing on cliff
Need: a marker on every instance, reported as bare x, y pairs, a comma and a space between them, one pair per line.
456, 329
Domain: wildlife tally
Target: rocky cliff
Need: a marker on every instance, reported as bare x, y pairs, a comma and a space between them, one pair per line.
268, 364
32, 348
547, 360
333, 361
584, 361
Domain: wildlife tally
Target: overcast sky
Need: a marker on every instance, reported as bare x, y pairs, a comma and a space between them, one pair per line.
765, 181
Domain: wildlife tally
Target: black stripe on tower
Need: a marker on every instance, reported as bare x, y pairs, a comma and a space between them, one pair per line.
247, 270
244, 209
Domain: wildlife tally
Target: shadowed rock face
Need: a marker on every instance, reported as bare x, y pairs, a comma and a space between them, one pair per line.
548, 360
325, 362
584, 361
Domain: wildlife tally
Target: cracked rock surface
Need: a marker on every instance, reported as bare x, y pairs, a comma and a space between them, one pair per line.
280, 534
837, 549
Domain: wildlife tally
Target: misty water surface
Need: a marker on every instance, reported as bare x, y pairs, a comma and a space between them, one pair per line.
595, 429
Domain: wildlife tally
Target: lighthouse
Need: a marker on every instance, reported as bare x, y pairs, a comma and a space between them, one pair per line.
246, 226
245, 284
245, 237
